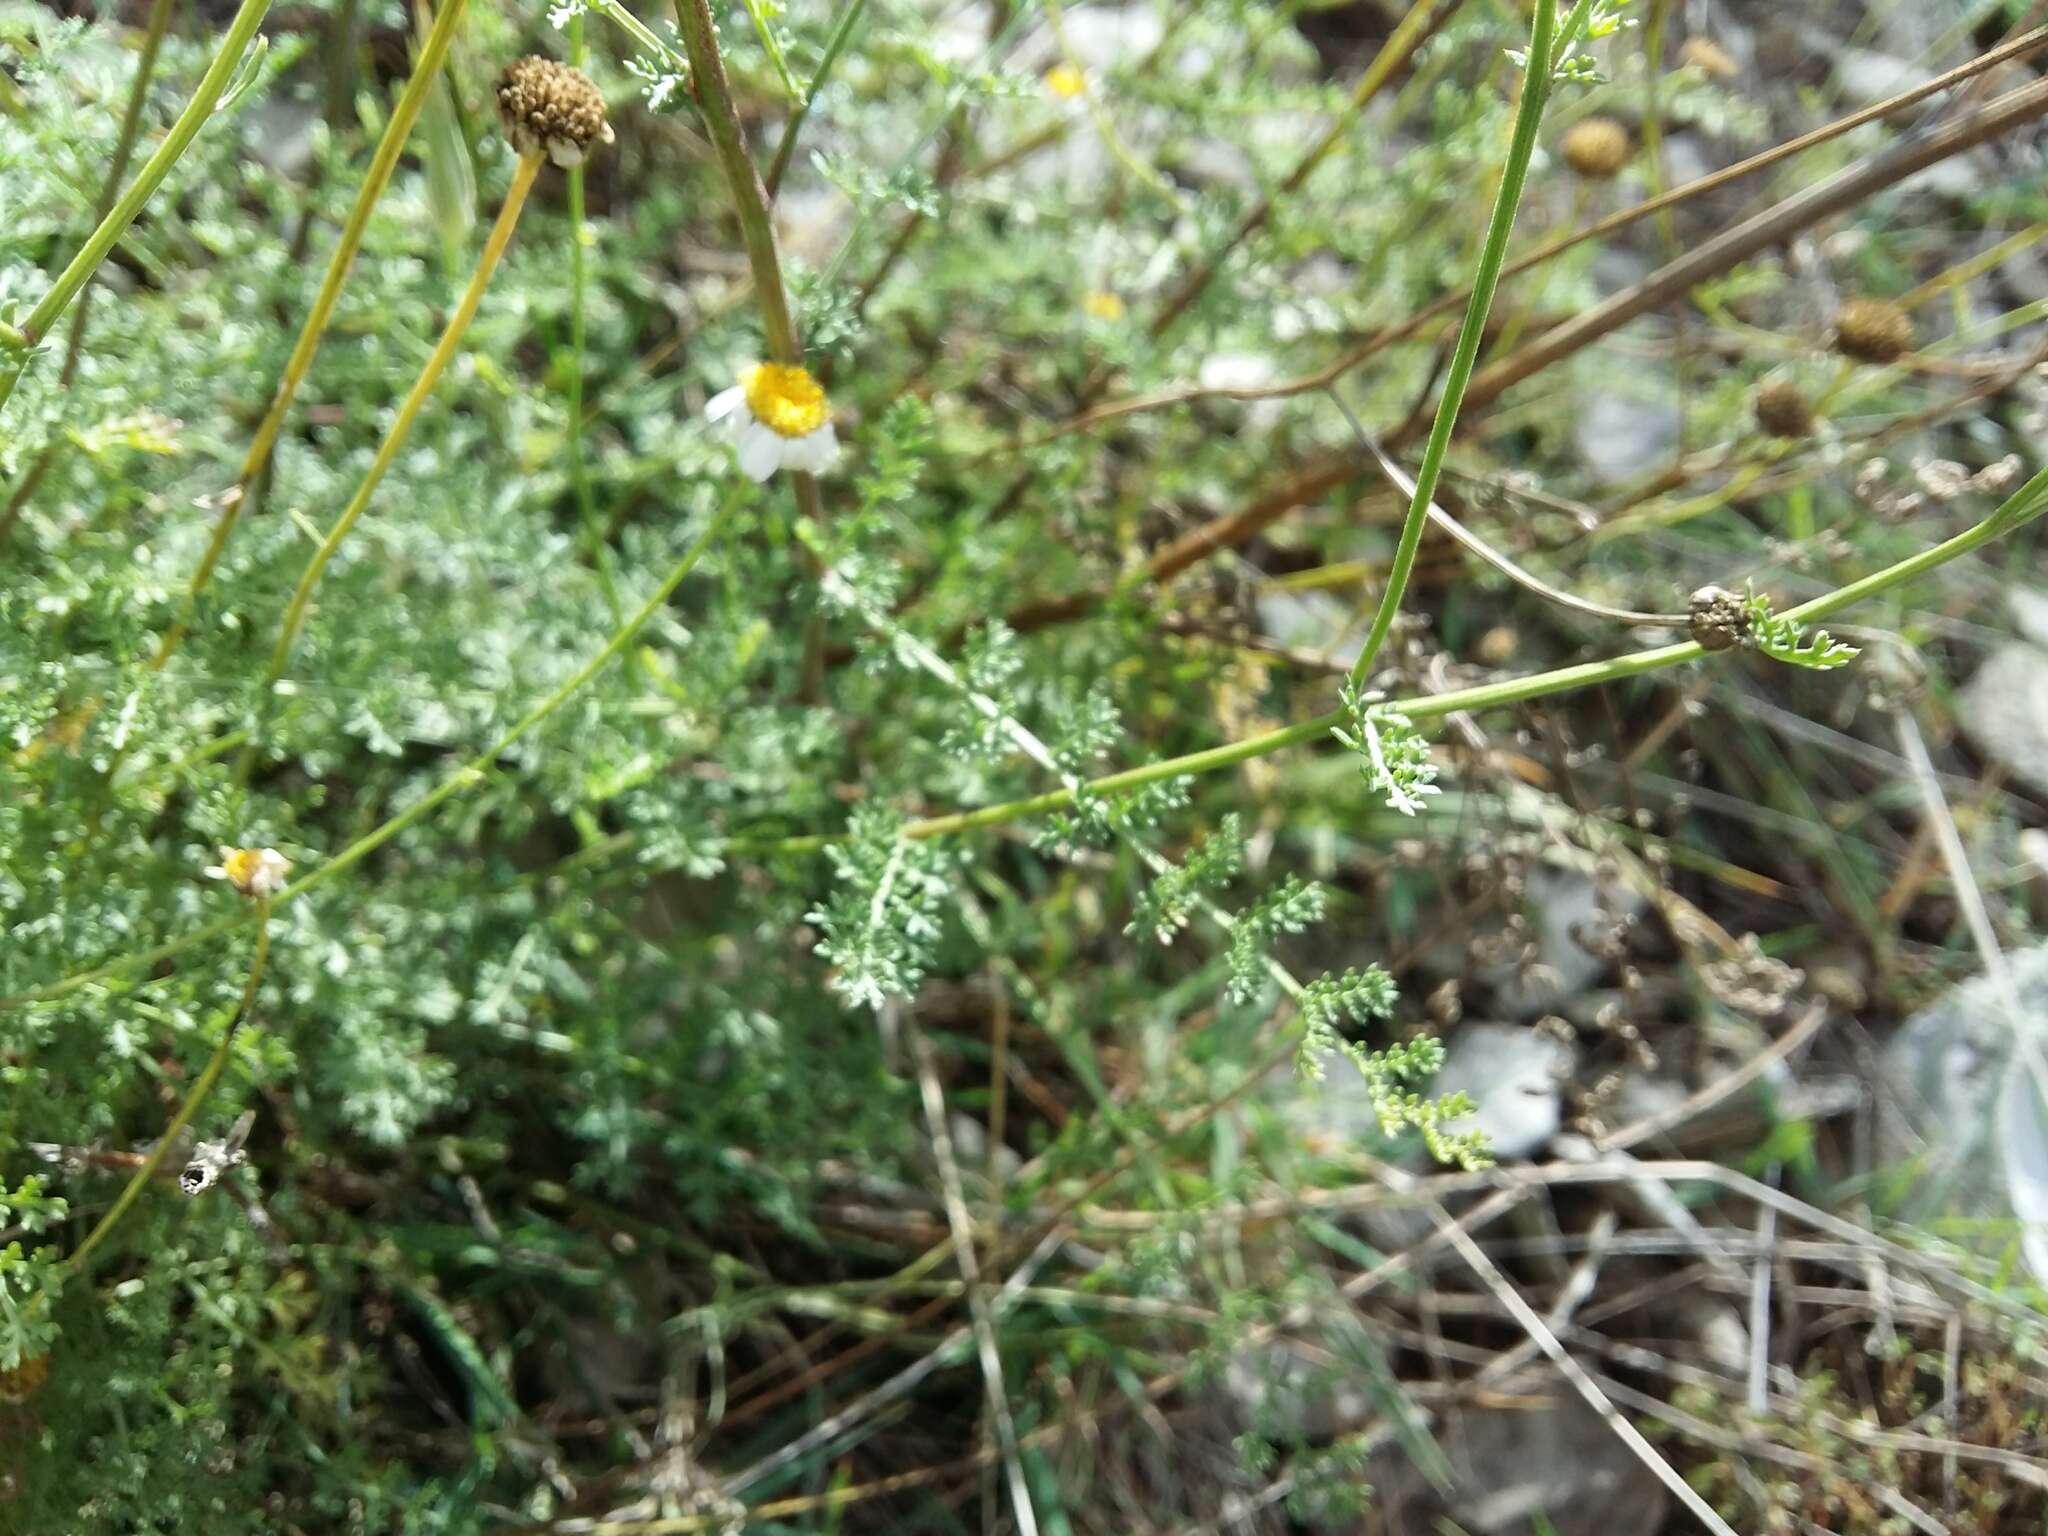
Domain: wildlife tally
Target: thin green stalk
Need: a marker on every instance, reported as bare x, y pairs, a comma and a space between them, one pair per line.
194, 1101
772, 46
124, 151
241, 31
468, 775
74, 342
579, 279
757, 229
638, 30
382, 164
1528, 114
2021, 508
749, 199
401, 426
842, 33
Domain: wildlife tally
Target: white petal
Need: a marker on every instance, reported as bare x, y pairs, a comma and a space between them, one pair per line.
760, 451
816, 451
725, 402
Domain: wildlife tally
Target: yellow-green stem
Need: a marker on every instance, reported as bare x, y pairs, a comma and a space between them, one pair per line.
1492, 256
124, 150
194, 1101
2019, 509
785, 148
401, 428
382, 164
15, 344
757, 230
749, 199
74, 342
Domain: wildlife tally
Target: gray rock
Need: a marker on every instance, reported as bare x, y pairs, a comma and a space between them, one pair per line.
1308, 621
2029, 607
1516, 1077
1623, 436
280, 133
1517, 1472
1566, 908
1961, 1113
2004, 711
1867, 76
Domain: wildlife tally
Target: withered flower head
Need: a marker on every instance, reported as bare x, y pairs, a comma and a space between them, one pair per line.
1709, 58
1597, 148
1872, 331
1720, 619
549, 108
1782, 409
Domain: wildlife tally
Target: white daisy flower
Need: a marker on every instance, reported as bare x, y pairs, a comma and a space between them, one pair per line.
780, 419
252, 871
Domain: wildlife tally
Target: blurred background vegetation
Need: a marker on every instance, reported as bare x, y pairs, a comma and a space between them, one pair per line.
662, 1118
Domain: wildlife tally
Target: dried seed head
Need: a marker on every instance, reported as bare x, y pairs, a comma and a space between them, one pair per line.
1597, 148
1782, 409
549, 108
1720, 619
1872, 331
1709, 58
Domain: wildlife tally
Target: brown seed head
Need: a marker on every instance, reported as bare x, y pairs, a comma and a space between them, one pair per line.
549, 108
1709, 58
1781, 408
1597, 148
1872, 331
1720, 619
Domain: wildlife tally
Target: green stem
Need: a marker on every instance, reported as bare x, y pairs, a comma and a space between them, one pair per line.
842, 33
401, 426
757, 230
1492, 255
579, 279
636, 29
124, 150
382, 164
2022, 507
193, 1101
82, 266
74, 341
750, 200
469, 774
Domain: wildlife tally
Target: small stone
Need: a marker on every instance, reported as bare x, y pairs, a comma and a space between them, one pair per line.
1515, 1078
2003, 709
1781, 408
1597, 148
552, 109
1720, 619
1872, 331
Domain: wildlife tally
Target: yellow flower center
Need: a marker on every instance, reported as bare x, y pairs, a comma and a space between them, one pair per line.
1104, 305
1065, 81
241, 866
786, 399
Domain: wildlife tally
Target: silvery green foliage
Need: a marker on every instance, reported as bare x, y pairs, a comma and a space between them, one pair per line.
1393, 756
1167, 903
884, 918
1292, 907
1787, 640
